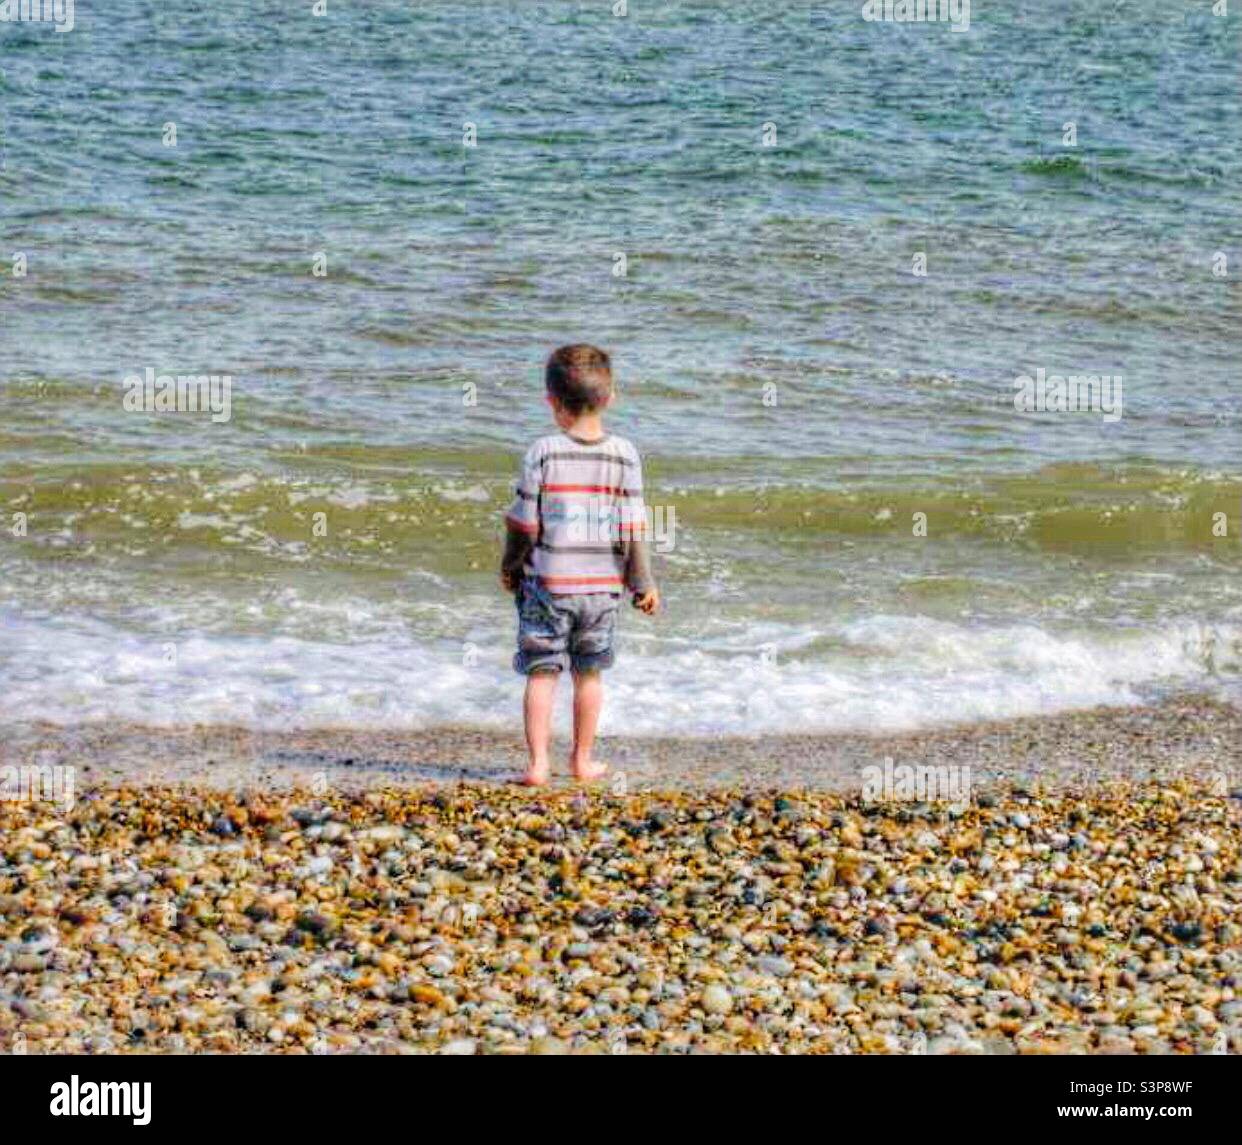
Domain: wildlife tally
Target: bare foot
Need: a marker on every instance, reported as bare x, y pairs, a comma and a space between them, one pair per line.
535, 776
590, 771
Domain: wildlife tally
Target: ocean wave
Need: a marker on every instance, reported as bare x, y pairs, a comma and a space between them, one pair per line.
885, 673
1088, 510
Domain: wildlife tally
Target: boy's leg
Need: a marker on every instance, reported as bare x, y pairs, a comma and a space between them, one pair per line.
543, 630
537, 710
590, 651
588, 701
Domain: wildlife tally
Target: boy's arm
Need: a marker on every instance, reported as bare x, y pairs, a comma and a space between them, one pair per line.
639, 578
522, 519
518, 545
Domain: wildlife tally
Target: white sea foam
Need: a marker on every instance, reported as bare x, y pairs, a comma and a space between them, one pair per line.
881, 673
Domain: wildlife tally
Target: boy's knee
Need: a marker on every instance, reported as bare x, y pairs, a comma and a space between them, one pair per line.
591, 663
527, 663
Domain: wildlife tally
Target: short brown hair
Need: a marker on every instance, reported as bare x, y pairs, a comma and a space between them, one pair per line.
579, 377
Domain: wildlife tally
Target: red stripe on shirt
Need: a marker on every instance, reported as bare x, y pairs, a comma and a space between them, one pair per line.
614, 490
521, 526
551, 580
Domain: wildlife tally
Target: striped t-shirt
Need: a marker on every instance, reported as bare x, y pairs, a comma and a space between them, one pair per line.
581, 503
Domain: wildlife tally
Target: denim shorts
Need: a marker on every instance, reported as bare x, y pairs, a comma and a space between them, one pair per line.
558, 632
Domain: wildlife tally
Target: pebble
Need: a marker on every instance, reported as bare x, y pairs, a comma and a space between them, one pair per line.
459, 1047
717, 999
777, 967
483, 920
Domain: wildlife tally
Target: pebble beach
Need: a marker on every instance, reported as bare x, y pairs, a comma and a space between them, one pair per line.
924, 349
1058, 916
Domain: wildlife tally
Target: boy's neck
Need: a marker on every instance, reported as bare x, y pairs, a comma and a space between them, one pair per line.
588, 427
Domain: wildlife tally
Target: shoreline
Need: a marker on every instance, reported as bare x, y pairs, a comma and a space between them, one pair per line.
259, 893
1188, 735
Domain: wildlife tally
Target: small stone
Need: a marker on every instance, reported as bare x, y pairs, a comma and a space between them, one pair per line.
640, 916
459, 1047
777, 967
426, 995
717, 999
594, 918
316, 923
547, 1046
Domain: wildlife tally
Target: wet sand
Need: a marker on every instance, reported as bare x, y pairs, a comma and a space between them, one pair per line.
1190, 735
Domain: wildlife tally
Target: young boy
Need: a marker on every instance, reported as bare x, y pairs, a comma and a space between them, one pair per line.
576, 538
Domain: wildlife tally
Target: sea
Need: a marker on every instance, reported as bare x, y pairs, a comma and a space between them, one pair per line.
827, 254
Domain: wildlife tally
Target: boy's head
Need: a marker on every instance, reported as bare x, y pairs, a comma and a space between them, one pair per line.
579, 379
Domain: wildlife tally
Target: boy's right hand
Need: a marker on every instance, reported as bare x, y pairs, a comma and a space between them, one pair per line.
508, 580
647, 602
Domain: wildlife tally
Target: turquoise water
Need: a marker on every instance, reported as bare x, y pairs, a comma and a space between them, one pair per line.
1069, 559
